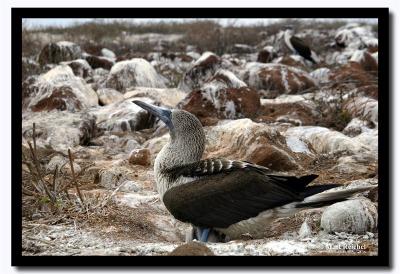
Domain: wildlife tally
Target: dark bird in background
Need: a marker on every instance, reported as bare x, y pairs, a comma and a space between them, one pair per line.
228, 197
298, 46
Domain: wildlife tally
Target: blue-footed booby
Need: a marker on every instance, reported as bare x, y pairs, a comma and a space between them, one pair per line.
226, 196
298, 46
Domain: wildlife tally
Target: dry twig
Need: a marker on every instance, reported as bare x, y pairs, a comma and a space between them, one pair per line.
74, 178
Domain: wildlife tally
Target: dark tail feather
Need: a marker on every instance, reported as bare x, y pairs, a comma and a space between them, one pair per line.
333, 196
309, 58
307, 179
311, 190
297, 184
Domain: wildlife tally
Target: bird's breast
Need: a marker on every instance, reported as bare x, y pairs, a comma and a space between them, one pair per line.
166, 181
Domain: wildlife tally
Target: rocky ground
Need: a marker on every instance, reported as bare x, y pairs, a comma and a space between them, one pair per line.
88, 151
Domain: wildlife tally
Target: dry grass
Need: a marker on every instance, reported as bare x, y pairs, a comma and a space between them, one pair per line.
332, 113
30, 47
56, 194
204, 34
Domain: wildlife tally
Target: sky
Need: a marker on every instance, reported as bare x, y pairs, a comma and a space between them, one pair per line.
44, 22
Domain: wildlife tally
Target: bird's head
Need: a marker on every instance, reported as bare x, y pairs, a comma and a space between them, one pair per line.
179, 122
289, 29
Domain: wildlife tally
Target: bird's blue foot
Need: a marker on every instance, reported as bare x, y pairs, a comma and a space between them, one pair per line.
204, 232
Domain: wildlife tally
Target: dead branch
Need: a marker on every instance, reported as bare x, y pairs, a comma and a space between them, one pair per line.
74, 178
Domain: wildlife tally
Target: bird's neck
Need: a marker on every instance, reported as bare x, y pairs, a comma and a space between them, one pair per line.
182, 149
177, 153
288, 34
287, 37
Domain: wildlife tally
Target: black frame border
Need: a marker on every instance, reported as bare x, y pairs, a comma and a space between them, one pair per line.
383, 258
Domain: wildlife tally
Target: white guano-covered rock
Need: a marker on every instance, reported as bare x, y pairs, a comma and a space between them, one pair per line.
80, 67
200, 71
54, 53
357, 126
227, 79
321, 75
277, 79
369, 139
355, 164
243, 139
353, 216
376, 56
123, 116
59, 130
322, 140
354, 36
108, 96
363, 107
108, 53
365, 59
136, 72
240, 139
223, 96
60, 89
167, 97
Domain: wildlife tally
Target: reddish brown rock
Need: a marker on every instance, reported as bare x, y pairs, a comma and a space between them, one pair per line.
364, 108
224, 96
226, 104
60, 89
268, 155
295, 113
245, 140
99, 62
292, 61
185, 58
57, 100
266, 55
200, 72
140, 157
368, 91
372, 49
353, 75
241, 139
366, 60
91, 47
80, 68
277, 79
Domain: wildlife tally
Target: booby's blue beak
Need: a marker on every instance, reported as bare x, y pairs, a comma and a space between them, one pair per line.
162, 113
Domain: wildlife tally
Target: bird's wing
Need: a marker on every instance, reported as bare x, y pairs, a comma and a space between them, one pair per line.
214, 166
225, 192
301, 47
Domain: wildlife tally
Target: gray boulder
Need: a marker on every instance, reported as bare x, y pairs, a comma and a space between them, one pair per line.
353, 216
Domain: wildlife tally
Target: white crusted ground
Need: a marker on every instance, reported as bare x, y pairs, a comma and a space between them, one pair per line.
70, 240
